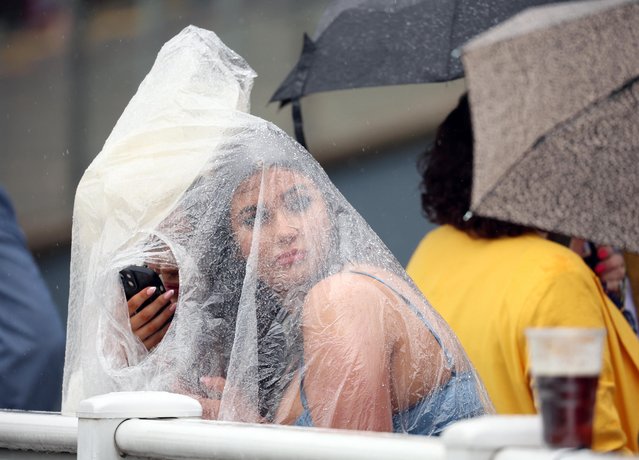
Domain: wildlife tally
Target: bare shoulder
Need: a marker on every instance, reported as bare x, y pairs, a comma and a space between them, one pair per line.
349, 291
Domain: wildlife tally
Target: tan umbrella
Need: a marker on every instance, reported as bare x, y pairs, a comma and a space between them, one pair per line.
554, 96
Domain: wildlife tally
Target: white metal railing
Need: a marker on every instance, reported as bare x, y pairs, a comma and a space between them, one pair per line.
38, 431
557, 454
166, 426
512, 437
202, 439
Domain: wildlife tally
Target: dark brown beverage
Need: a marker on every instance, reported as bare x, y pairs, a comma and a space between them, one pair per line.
567, 407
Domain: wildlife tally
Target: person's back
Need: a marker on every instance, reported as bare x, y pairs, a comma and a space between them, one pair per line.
490, 291
491, 280
31, 333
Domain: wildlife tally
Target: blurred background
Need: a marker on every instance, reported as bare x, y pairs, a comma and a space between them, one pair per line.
69, 67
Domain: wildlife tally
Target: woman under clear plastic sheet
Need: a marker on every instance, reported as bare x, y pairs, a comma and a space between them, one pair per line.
290, 309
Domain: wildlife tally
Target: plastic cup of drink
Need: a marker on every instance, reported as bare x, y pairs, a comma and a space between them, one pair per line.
565, 365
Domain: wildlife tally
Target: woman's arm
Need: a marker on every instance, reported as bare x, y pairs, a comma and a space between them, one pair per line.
347, 349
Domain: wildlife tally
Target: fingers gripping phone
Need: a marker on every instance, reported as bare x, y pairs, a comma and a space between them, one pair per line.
135, 278
592, 259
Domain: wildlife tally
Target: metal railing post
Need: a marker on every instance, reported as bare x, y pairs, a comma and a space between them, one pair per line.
100, 416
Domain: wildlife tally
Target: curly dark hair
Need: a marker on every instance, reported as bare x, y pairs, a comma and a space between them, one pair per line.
447, 169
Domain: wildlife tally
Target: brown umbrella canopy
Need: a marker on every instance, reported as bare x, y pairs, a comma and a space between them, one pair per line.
554, 94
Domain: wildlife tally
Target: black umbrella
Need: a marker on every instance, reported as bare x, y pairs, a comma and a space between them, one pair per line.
363, 43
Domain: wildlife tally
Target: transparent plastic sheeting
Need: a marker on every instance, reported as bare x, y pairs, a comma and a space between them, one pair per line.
287, 300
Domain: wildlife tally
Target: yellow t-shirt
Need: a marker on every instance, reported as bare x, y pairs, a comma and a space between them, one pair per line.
490, 291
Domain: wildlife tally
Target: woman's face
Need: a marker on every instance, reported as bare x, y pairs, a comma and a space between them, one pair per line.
294, 226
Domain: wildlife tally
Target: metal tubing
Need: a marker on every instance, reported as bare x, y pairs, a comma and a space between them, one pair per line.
44, 432
195, 439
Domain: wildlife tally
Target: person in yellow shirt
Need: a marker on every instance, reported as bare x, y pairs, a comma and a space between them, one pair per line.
491, 280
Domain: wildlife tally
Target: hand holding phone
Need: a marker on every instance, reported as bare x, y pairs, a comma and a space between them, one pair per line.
609, 270
135, 278
593, 260
151, 325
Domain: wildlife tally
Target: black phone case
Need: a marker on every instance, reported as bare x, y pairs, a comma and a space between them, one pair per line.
135, 278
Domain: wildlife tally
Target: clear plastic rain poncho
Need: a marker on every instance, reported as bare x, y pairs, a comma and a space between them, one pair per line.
285, 293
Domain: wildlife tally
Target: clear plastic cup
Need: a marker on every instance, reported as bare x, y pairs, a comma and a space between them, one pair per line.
565, 366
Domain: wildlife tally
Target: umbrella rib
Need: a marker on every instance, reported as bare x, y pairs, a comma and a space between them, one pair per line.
627, 84
624, 86
298, 123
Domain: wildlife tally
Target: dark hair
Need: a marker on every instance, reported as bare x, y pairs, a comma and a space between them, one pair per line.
447, 170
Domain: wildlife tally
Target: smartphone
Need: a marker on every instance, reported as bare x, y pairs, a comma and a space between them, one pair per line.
135, 278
